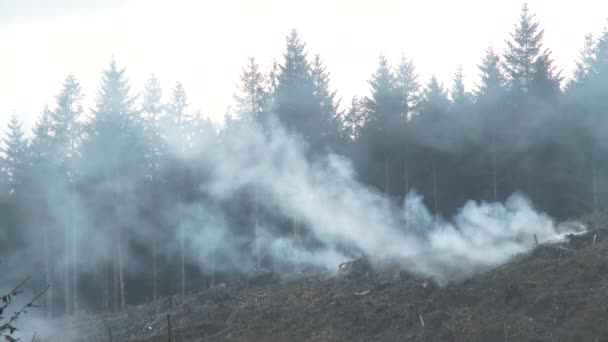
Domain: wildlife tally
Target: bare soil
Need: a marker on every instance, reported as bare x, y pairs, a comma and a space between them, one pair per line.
553, 293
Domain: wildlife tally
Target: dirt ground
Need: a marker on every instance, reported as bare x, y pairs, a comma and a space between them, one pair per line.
554, 293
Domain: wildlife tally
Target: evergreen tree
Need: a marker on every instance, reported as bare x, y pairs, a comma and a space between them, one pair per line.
252, 96
523, 51
460, 97
382, 131
295, 102
327, 100
115, 128
408, 86
434, 102
353, 119
585, 62
14, 158
153, 117
492, 79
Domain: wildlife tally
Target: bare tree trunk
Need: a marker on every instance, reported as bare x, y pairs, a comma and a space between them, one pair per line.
212, 270
406, 177
435, 193
154, 270
106, 282
494, 171
115, 291
386, 176
66, 272
182, 259
295, 239
255, 230
594, 189
121, 273
74, 252
47, 274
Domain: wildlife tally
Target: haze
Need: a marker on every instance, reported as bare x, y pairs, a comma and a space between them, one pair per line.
204, 44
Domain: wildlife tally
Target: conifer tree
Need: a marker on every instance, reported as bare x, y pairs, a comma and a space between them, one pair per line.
14, 160
251, 96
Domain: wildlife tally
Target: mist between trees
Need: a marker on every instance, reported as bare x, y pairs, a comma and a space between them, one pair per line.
140, 197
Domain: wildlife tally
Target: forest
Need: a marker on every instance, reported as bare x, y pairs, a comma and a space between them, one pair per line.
138, 198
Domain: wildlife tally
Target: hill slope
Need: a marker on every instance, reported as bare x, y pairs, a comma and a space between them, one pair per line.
554, 293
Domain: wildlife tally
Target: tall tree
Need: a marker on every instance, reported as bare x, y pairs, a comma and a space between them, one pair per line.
524, 48
460, 97
40, 168
67, 127
295, 102
408, 86
327, 100
251, 96
115, 128
382, 130
14, 160
152, 113
179, 116
353, 119
490, 106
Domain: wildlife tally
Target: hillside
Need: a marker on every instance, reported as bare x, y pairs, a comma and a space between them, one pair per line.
554, 293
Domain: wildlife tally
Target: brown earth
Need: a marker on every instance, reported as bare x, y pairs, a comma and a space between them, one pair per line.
553, 293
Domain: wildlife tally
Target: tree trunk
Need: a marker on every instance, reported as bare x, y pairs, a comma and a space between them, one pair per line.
154, 270
121, 273
106, 282
494, 171
386, 176
115, 288
74, 253
255, 230
47, 274
435, 193
66, 272
594, 187
295, 239
212, 270
406, 177
182, 259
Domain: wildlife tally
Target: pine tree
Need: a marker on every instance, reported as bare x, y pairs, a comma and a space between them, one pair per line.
40, 152
434, 102
408, 86
179, 118
252, 96
327, 100
585, 62
353, 119
524, 49
115, 128
460, 97
490, 98
152, 112
14, 159
295, 102
385, 120
492, 80
181, 122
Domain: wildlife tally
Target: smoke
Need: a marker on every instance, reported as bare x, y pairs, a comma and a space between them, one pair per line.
346, 218
311, 210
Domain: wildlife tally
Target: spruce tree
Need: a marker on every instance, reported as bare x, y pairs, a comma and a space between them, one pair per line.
14, 159
408, 86
251, 96
524, 48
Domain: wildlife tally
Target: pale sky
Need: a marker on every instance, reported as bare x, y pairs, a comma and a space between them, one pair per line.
205, 43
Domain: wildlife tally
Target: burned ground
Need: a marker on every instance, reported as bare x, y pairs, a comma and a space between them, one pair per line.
554, 293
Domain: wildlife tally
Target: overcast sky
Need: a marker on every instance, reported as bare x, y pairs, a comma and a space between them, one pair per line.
205, 43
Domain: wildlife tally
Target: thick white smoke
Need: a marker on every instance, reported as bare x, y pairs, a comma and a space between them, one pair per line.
346, 217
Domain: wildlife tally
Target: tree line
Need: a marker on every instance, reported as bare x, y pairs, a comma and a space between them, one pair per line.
522, 128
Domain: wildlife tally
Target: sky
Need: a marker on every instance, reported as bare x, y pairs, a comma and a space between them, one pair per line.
204, 44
